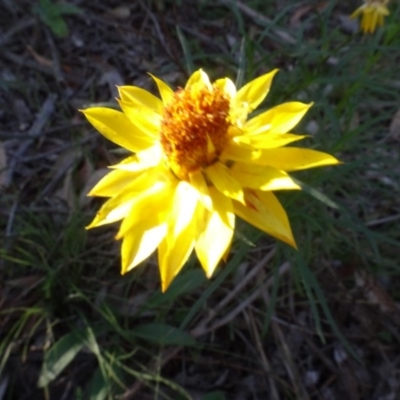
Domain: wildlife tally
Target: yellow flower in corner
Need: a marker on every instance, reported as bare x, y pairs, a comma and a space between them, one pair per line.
197, 162
373, 12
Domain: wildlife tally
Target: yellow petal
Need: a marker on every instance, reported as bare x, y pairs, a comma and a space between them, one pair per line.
223, 180
270, 141
166, 92
175, 249
265, 212
254, 92
112, 183
140, 97
111, 211
199, 78
142, 160
117, 127
227, 86
262, 177
295, 158
240, 151
151, 205
199, 183
139, 244
216, 237
279, 119
118, 207
373, 21
383, 10
365, 23
143, 117
184, 205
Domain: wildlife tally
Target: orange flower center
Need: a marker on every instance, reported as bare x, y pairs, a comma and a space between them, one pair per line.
194, 128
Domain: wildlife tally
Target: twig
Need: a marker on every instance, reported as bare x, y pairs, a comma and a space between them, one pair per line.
232, 294
174, 57
56, 178
384, 220
263, 357
26, 63
35, 131
59, 149
5, 135
8, 233
20, 26
55, 58
158, 29
261, 18
11, 217
282, 270
287, 359
22, 61
199, 35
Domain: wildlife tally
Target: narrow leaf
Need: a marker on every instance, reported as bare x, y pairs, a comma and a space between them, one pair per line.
163, 334
97, 387
316, 194
59, 356
186, 51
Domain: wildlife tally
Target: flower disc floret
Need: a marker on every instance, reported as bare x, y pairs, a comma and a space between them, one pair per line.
194, 128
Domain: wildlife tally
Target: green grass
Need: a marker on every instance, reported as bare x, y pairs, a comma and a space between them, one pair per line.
67, 305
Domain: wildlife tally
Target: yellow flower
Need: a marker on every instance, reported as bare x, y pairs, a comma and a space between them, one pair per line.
198, 160
372, 12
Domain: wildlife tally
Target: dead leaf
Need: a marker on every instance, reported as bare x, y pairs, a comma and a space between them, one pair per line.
63, 172
296, 17
91, 181
121, 12
24, 282
375, 293
302, 11
321, 6
3, 164
349, 25
112, 78
67, 192
355, 121
394, 129
22, 112
40, 59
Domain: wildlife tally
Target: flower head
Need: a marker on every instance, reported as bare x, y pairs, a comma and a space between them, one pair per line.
373, 12
198, 161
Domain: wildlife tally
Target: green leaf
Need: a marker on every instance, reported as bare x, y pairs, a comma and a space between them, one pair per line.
164, 334
58, 26
68, 9
186, 51
97, 387
241, 64
51, 14
214, 396
316, 194
186, 282
272, 301
59, 356
305, 278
